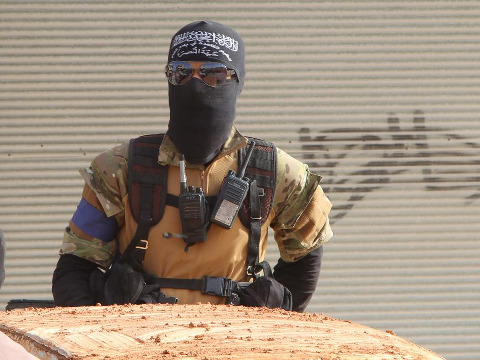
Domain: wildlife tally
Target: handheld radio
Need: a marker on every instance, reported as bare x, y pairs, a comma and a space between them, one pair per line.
232, 194
193, 210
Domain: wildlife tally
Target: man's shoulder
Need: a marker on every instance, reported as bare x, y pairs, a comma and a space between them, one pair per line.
120, 151
115, 154
107, 176
293, 176
289, 164
108, 167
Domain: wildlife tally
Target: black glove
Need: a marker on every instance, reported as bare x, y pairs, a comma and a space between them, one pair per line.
267, 292
124, 285
71, 281
300, 277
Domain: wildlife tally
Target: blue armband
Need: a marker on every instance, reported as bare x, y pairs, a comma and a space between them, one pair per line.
94, 222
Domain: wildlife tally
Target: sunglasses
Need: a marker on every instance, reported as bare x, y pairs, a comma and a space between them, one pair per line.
212, 73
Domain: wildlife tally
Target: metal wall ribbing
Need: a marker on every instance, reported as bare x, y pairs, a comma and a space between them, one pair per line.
379, 97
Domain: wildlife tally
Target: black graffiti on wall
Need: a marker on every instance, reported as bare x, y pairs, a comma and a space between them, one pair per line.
359, 160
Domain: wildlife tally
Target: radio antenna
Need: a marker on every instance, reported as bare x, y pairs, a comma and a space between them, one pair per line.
241, 172
183, 175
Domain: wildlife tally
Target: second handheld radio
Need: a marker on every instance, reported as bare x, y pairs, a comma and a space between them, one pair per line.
232, 194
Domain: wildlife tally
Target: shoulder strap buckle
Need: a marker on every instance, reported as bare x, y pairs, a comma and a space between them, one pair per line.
144, 245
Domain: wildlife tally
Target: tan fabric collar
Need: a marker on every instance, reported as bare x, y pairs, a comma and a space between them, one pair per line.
168, 153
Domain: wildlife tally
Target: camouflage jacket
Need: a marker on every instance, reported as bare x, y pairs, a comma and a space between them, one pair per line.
103, 224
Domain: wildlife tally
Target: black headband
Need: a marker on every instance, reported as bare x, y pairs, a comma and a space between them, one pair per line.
209, 41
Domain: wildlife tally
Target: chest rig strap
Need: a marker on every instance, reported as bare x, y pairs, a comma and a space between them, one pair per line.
147, 189
147, 194
254, 266
261, 170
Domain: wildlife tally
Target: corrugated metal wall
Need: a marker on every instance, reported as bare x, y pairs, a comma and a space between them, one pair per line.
380, 97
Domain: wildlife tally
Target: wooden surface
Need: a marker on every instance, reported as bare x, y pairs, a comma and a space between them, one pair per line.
199, 332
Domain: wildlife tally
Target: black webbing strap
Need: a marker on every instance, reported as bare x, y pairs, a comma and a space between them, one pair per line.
253, 264
147, 181
255, 229
135, 252
261, 167
172, 200
211, 285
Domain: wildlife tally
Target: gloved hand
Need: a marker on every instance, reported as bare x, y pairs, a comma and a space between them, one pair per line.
266, 291
124, 285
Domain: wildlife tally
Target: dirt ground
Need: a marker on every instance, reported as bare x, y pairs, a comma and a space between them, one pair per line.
199, 332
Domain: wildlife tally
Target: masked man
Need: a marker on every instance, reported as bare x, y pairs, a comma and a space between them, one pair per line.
197, 233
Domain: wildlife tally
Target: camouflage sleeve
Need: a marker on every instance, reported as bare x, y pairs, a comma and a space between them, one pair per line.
301, 209
95, 250
107, 176
91, 231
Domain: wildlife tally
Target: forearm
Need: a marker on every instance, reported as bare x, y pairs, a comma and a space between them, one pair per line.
71, 281
300, 277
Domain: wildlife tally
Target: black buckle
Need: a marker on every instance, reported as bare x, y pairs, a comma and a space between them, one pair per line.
217, 286
253, 272
250, 271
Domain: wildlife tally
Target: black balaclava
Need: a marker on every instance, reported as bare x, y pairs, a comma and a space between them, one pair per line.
201, 116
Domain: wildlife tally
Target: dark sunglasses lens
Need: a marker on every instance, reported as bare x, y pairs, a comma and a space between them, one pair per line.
213, 74
179, 72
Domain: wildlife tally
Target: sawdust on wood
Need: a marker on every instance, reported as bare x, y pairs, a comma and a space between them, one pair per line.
200, 332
